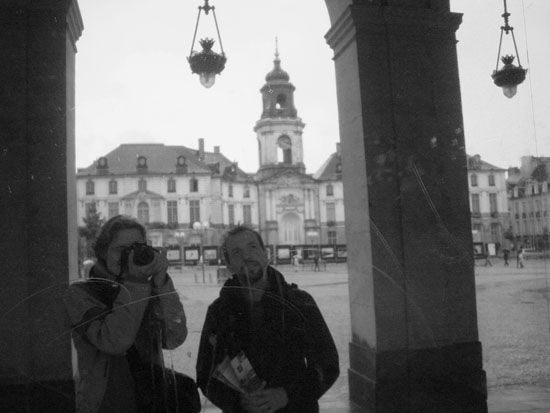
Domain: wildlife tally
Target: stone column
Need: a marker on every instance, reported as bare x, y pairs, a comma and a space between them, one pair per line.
37, 202
414, 341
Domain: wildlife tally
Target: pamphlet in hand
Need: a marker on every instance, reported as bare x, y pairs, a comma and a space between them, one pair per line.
238, 374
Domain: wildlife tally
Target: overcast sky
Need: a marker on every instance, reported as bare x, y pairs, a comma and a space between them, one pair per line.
134, 83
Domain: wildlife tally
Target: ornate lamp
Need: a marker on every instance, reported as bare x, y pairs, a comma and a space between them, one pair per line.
207, 63
510, 76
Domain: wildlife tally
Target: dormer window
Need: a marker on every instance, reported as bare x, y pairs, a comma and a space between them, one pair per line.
338, 168
90, 187
141, 164
102, 166
171, 185
113, 187
142, 185
181, 165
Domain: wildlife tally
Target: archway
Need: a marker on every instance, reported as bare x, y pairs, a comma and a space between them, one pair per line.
395, 87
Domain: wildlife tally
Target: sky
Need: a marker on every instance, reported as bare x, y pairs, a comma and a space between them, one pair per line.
133, 82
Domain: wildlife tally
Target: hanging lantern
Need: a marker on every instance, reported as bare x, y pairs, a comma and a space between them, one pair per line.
207, 63
510, 76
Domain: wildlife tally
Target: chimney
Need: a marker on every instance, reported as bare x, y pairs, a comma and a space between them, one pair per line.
216, 149
201, 148
338, 148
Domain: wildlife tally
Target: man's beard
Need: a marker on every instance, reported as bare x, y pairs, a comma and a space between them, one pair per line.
253, 272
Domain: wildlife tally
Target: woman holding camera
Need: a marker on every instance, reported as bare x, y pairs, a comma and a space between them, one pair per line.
121, 319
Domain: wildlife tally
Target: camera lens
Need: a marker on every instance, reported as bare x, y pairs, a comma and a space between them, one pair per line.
143, 254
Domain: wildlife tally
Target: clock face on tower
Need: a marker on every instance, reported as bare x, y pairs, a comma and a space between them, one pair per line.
142, 161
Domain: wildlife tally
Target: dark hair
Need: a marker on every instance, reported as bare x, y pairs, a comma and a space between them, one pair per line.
110, 229
237, 230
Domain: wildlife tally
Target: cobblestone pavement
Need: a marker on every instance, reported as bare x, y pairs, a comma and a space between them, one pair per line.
513, 322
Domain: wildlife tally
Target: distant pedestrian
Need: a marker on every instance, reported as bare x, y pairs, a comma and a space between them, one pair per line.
520, 258
506, 254
296, 262
316, 264
488, 261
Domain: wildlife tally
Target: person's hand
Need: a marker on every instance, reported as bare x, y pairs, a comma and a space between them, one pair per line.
155, 270
265, 400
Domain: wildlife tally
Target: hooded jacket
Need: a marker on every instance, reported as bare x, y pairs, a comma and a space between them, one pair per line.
289, 347
102, 335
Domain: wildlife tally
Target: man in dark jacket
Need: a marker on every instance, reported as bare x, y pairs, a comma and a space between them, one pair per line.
278, 327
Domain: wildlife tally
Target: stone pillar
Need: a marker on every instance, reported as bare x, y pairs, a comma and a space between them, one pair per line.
37, 202
414, 341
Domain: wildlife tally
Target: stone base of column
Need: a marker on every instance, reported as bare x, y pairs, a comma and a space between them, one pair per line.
46, 396
445, 379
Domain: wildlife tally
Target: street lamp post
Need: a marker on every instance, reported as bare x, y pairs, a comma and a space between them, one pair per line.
202, 227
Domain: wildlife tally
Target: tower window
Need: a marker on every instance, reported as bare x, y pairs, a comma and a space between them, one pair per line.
285, 149
280, 103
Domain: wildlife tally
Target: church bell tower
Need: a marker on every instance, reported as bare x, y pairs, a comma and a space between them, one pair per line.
279, 130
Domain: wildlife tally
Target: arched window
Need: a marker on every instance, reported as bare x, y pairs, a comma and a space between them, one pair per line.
491, 180
171, 185
142, 185
90, 187
473, 180
330, 190
143, 212
280, 102
193, 185
285, 149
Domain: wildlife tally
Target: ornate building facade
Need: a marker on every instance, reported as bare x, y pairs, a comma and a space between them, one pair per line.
191, 196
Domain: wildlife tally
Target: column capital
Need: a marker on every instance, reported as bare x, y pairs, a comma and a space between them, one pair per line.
75, 24
388, 20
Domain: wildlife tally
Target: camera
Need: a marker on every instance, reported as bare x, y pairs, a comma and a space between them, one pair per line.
143, 254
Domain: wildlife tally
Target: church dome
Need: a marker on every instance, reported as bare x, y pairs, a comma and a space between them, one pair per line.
277, 73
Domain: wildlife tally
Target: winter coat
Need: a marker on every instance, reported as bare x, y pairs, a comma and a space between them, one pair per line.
291, 347
101, 336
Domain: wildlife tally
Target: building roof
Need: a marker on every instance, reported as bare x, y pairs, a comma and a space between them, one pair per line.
331, 170
161, 159
477, 164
